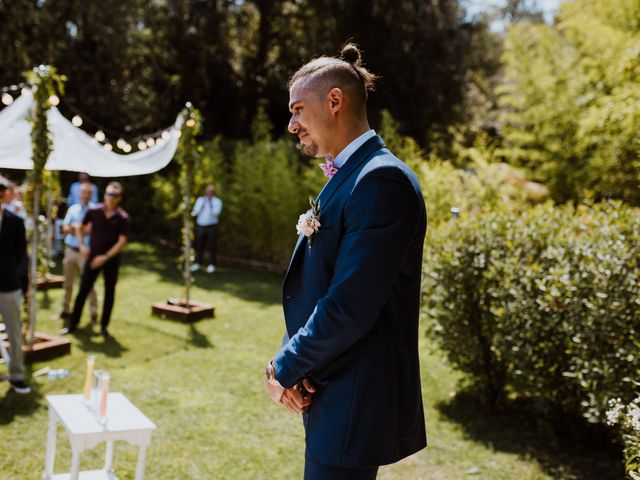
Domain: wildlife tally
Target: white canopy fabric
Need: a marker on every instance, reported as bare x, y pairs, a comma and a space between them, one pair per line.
73, 149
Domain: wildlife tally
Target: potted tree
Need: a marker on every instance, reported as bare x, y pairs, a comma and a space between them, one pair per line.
186, 309
46, 85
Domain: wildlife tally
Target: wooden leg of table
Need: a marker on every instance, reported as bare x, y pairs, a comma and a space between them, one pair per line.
108, 457
50, 457
140, 466
75, 464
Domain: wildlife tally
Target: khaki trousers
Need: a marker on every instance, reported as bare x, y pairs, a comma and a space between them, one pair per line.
10, 313
73, 263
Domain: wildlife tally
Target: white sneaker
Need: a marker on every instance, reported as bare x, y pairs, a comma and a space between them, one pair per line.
195, 267
20, 387
211, 269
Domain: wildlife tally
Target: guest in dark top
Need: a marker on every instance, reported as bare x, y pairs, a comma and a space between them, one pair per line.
13, 251
108, 225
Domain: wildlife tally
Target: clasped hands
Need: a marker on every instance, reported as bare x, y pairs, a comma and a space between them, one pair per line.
297, 399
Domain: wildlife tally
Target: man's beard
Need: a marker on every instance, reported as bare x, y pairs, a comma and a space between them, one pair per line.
310, 150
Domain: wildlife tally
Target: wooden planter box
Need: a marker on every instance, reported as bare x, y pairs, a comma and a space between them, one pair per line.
45, 347
52, 281
177, 309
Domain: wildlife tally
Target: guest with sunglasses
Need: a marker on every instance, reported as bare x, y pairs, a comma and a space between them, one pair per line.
108, 225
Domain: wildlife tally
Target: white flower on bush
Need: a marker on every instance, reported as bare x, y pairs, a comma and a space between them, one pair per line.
615, 409
633, 414
626, 415
627, 420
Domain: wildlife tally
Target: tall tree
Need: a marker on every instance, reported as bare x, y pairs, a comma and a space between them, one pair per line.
571, 99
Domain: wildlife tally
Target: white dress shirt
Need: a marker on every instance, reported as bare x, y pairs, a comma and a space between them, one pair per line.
350, 149
207, 210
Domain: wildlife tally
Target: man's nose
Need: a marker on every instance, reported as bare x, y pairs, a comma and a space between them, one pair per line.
293, 126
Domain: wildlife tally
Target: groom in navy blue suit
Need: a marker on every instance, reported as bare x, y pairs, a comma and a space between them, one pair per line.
349, 359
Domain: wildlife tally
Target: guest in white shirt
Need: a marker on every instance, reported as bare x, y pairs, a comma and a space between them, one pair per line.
207, 211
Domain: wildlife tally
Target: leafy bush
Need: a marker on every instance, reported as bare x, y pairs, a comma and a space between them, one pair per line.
543, 303
482, 183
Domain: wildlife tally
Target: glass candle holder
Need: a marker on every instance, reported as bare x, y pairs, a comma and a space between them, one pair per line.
104, 393
96, 389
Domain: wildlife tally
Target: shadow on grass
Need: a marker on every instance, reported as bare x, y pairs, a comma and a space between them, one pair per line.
565, 448
198, 339
109, 346
44, 300
14, 404
251, 285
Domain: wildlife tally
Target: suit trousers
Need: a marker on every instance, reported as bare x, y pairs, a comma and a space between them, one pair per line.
89, 277
314, 470
73, 263
206, 241
10, 313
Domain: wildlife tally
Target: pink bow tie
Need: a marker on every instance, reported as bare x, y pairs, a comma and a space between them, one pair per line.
328, 168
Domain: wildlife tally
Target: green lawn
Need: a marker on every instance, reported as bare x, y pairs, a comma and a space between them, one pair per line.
202, 386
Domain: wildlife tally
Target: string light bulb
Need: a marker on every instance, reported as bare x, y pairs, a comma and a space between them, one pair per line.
54, 100
77, 121
191, 123
25, 90
108, 147
121, 143
7, 99
165, 135
142, 145
126, 148
151, 142
100, 136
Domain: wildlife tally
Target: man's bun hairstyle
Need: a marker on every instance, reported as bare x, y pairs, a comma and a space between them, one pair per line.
350, 53
346, 72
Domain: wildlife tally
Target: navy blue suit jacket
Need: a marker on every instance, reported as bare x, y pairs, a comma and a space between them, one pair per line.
351, 303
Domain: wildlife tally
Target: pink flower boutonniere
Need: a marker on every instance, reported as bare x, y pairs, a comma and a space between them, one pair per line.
309, 222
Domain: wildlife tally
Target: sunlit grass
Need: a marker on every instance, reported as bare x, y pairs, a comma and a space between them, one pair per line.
202, 386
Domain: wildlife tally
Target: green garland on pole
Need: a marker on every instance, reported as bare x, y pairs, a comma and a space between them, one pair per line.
51, 187
188, 155
47, 85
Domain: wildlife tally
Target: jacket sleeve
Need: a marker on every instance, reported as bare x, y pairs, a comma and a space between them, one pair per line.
380, 220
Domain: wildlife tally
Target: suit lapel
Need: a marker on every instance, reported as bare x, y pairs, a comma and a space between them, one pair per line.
295, 250
354, 161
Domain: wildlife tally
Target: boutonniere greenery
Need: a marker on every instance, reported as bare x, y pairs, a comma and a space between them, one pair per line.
309, 222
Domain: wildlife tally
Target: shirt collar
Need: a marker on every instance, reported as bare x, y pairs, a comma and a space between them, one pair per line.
350, 149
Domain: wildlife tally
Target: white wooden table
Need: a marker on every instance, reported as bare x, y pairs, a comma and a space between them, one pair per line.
124, 422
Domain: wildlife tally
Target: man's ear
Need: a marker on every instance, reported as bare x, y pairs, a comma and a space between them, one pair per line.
336, 99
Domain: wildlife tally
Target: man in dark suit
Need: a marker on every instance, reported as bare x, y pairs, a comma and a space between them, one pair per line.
349, 360
13, 250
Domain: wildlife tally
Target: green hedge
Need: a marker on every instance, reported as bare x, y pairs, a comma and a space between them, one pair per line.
543, 303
